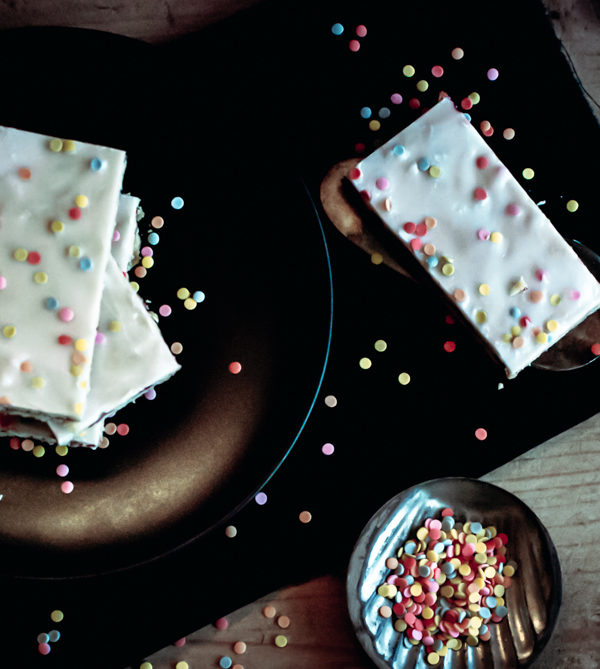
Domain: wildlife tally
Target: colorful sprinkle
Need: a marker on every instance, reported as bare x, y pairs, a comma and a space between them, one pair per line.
235, 367
572, 206
437, 71
480, 194
492, 74
457, 53
177, 203
481, 434
337, 28
354, 45
404, 378
305, 517
408, 71
327, 449
396, 98
281, 641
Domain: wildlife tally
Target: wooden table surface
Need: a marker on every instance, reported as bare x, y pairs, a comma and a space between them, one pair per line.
559, 480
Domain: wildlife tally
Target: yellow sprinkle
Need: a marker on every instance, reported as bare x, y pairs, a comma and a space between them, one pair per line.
76, 370
528, 173
147, 262
496, 237
434, 171
183, 293
480, 547
37, 382
509, 570
481, 317
484, 289
404, 378
555, 300
78, 408
472, 640
572, 205
365, 363
57, 226
57, 616
374, 125
39, 451
464, 569
499, 590
74, 251
448, 269
135, 286
516, 330
408, 71
55, 145
40, 277
475, 98
182, 664
146, 665
61, 450
81, 201
69, 145
376, 258
416, 589
400, 625
380, 345
81, 344
9, 331
281, 641
541, 338
20, 254
115, 326
190, 303
422, 86
551, 325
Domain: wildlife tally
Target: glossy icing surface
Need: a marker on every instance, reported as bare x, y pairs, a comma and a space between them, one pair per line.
58, 202
439, 187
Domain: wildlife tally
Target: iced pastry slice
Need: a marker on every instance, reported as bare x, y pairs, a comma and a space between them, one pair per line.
130, 357
439, 187
58, 202
126, 239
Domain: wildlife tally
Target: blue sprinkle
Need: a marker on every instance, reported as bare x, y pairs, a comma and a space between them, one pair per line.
424, 570
177, 202
409, 579
96, 164
483, 629
439, 547
501, 568
432, 261
484, 612
501, 611
43, 638
491, 602
225, 662
337, 28
366, 112
384, 112
423, 164
476, 528
515, 312
51, 303
447, 568
410, 547
461, 616
468, 117
85, 264
54, 635
153, 238
438, 644
398, 150
199, 296
447, 523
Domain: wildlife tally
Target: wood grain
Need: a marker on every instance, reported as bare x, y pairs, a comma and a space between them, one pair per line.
559, 480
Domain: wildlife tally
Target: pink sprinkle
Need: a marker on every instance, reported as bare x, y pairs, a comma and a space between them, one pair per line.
100, 338
235, 367
116, 236
466, 103
355, 174
382, 183
354, 45
483, 234
396, 98
62, 470
327, 449
14, 443
164, 310
67, 487
147, 251
480, 194
150, 394
595, 349
482, 162
541, 274
492, 74
2, 282
512, 209
481, 433
361, 30
449, 346
180, 642
66, 314
437, 71
44, 648
415, 244
222, 623
575, 294
122, 429
435, 524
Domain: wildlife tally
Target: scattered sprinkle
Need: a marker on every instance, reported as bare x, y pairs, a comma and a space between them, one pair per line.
281, 641
572, 206
481, 433
305, 517
337, 28
177, 203
327, 449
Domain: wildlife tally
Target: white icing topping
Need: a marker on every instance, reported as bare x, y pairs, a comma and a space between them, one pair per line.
53, 244
479, 235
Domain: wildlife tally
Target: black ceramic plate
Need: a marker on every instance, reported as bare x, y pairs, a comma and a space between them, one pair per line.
248, 237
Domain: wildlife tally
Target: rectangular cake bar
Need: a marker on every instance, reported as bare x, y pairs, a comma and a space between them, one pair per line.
439, 187
58, 202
